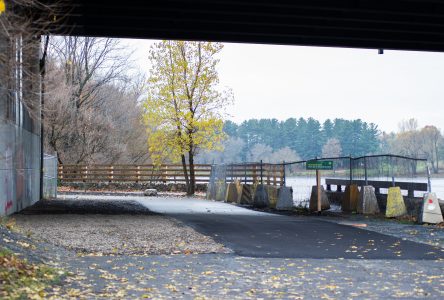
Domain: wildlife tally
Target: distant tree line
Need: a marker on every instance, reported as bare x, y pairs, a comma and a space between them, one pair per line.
273, 140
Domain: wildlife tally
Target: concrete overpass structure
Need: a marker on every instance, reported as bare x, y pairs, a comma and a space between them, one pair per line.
378, 24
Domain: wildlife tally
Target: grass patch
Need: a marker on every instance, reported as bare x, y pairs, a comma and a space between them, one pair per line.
20, 279
7, 222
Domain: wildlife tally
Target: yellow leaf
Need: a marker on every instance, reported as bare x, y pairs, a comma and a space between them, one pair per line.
2, 6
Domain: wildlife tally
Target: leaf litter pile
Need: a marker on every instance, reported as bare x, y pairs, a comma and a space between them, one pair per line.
133, 232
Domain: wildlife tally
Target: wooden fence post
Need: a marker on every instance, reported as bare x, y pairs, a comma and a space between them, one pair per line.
111, 172
85, 178
138, 174
274, 175
61, 172
283, 174
164, 173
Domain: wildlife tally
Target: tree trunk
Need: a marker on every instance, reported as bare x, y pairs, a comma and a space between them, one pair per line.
413, 164
185, 172
192, 186
435, 167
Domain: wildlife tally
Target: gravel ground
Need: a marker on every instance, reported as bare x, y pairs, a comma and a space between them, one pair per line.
127, 228
227, 276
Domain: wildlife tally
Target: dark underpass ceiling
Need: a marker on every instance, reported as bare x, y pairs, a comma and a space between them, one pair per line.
389, 24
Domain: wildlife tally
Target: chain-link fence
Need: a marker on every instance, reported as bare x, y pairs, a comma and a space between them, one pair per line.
302, 180
49, 177
398, 170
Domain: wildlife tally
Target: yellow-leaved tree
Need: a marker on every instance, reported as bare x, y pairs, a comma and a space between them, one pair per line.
2, 6
184, 109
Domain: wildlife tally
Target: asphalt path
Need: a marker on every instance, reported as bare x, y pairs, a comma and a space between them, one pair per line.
257, 234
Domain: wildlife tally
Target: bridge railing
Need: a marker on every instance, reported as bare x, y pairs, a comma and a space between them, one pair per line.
410, 187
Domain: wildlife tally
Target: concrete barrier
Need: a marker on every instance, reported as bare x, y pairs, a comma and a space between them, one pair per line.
211, 191
431, 211
220, 191
239, 191
260, 199
234, 192
285, 198
247, 194
325, 204
273, 193
367, 203
350, 198
395, 203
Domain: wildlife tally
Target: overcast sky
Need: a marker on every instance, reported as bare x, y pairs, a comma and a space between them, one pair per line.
291, 81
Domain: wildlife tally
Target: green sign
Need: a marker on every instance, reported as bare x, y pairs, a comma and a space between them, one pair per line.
319, 165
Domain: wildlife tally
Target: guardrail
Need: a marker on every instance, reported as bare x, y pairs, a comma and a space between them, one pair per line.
410, 187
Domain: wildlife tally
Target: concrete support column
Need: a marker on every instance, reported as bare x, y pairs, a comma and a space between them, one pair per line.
19, 123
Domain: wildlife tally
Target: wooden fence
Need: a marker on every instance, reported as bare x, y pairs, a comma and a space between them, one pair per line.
130, 173
270, 174
246, 173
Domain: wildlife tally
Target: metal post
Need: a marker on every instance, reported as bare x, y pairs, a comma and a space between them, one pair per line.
351, 170
245, 173
393, 175
232, 172
283, 168
429, 182
318, 187
261, 174
365, 170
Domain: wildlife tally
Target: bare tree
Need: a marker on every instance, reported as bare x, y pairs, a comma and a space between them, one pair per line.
332, 148
431, 139
408, 125
21, 25
93, 115
89, 63
231, 153
284, 154
260, 152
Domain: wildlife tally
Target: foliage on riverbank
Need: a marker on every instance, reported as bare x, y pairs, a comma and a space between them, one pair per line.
20, 279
